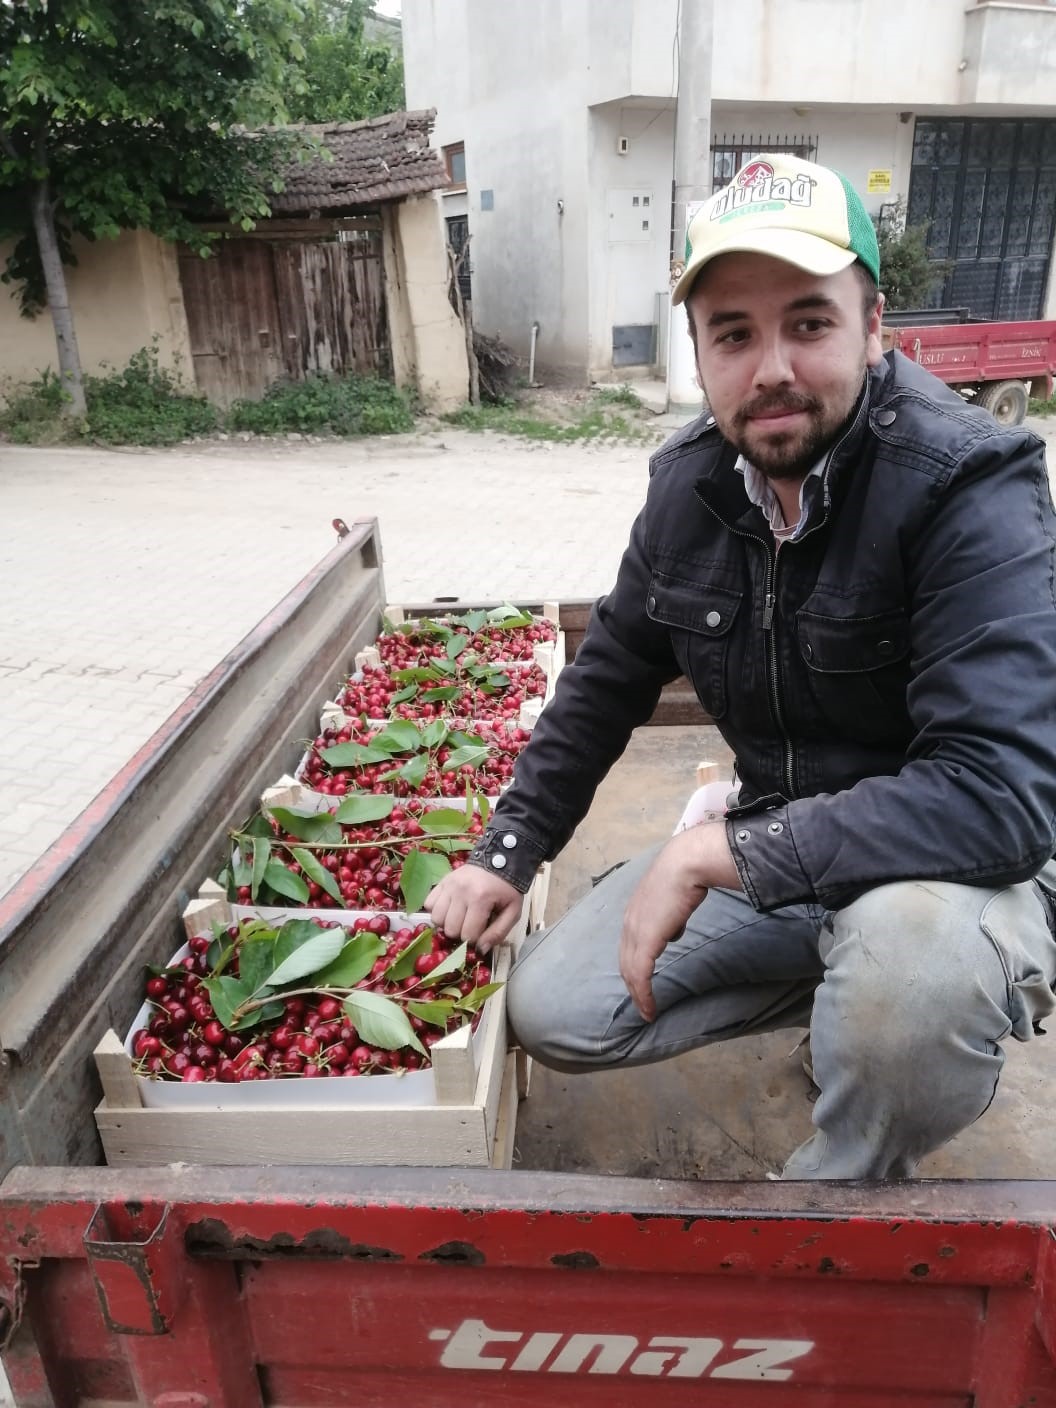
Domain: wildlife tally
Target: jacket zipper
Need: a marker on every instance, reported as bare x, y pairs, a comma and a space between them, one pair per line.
776, 708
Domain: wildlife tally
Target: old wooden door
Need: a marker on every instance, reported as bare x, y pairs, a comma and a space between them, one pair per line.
270, 308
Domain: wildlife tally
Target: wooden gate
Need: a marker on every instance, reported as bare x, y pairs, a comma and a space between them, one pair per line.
279, 305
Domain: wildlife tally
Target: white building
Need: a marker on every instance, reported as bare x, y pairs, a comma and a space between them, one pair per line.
558, 121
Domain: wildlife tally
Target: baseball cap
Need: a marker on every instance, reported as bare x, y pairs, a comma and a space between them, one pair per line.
795, 210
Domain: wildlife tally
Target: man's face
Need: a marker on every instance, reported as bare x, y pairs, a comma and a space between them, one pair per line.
781, 355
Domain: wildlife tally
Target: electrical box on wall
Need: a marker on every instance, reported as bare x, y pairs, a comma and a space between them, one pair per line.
622, 146
631, 215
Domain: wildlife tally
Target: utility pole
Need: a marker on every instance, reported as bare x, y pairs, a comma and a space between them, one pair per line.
692, 175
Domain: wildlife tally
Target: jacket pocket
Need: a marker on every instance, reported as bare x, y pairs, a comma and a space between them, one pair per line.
858, 671
700, 618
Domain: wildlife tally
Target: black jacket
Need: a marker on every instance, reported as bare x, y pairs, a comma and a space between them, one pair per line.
887, 683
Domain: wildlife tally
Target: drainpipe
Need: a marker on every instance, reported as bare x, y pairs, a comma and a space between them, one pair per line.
531, 357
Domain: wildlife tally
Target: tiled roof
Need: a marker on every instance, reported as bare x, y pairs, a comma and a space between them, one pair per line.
381, 159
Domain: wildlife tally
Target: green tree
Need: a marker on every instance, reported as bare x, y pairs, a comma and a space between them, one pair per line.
346, 76
907, 275
135, 116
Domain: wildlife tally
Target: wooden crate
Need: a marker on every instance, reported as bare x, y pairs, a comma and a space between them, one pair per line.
460, 1130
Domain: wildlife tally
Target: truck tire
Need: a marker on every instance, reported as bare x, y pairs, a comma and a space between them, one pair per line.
1005, 400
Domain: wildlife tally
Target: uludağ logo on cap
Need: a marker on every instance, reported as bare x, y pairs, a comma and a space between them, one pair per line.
755, 173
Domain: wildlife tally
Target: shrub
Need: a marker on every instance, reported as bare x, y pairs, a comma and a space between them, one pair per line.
144, 404
33, 413
907, 276
349, 405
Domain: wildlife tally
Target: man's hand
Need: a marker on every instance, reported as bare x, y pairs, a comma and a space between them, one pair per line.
473, 904
674, 885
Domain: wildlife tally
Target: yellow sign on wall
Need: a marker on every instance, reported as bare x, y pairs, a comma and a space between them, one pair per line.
878, 183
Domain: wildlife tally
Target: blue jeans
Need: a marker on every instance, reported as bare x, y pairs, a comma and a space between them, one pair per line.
908, 993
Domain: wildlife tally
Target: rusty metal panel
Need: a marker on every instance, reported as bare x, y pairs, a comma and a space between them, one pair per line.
504, 1288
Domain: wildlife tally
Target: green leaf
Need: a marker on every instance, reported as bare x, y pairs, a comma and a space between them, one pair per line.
434, 734
402, 695
477, 998
444, 667
284, 882
474, 620
241, 873
354, 962
308, 958
261, 857
258, 825
455, 646
317, 871
317, 827
226, 995
421, 871
417, 674
507, 617
453, 963
439, 696
399, 736
496, 679
355, 810
380, 1022
483, 806
461, 756
449, 844
256, 959
414, 771
351, 755
459, 739
294, 934
442, 821
437, 1013
403, 967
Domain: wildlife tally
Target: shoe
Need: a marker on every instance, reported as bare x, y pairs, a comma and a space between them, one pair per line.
806, 1060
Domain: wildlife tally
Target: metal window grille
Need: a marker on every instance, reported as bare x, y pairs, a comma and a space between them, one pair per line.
730, 151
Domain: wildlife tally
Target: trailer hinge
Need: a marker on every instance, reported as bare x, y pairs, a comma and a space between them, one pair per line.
134, 1258
11, 1311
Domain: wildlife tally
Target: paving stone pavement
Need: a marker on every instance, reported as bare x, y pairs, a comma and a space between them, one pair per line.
129, 574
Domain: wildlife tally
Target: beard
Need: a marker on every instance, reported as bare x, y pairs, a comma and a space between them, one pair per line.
788, 454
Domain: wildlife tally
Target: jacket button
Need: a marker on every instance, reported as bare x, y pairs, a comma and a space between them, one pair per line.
808, 650
744, 835
498, 862
775, 828
713, 619
651, 603
884, 647
509, 840
885, 417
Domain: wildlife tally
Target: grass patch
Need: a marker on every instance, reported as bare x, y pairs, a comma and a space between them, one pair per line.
351, 405
1042, 408
146, 404
143, 404
592, 420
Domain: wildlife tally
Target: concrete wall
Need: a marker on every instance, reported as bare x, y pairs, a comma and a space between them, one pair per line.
515, 83
1010, 55
430, 329
899, 53
629, 265
855, 143
123, 293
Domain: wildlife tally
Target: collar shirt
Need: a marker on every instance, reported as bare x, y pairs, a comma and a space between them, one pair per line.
761, 493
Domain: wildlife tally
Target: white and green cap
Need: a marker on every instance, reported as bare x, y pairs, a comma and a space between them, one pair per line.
791, 209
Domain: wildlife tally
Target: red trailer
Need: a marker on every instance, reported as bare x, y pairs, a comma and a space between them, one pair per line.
1000, 365
635, 1254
